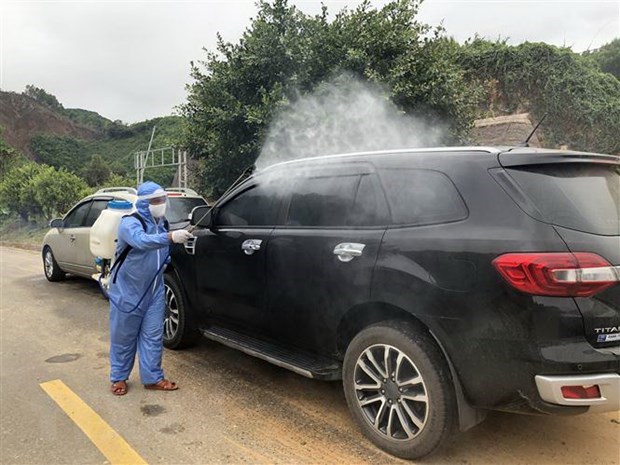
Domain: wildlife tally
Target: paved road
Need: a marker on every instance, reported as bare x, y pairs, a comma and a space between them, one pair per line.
231, 408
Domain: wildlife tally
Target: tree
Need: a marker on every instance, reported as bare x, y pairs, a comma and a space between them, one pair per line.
43, 97
608, 57
31, 190
58, 151
117, 180
96, 172
55, 191
240, 88
17, 192
9, 157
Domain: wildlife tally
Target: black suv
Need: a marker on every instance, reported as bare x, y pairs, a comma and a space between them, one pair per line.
435, 283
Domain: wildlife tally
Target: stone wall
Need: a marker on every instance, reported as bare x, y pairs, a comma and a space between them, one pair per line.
508, 130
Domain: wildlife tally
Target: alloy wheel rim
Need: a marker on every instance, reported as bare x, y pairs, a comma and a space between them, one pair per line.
391, 392
49, 263
171, 319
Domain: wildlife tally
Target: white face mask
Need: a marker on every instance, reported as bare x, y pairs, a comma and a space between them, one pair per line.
158, 211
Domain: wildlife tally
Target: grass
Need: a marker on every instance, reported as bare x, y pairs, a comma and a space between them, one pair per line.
17, 233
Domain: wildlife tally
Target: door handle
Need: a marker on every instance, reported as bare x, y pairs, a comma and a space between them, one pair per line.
190, 246
347, 251
251, 245
72, 237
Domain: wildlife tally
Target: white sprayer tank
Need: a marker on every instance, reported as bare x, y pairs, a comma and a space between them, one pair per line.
104, 232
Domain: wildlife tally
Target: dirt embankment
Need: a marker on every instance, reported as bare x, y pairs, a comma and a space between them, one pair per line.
23, 117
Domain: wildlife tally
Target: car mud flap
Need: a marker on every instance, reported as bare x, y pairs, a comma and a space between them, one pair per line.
468, 415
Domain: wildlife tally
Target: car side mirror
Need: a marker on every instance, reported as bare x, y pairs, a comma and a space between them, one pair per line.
202, 216
57, 223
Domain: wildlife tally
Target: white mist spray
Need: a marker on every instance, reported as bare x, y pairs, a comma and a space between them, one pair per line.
343, 115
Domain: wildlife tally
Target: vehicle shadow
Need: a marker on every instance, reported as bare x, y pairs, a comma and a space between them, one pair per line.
319, 410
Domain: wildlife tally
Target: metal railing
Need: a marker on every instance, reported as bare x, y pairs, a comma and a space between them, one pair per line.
156, 158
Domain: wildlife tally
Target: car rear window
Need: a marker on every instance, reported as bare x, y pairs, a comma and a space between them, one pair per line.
419, 197
95, 210
322, 201
585, 197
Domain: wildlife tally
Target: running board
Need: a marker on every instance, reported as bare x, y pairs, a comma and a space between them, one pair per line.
302, 363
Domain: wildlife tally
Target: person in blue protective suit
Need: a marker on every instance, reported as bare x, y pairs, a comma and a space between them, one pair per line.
137, 292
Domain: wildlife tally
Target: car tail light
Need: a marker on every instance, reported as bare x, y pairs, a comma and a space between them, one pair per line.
581, 392
578, 274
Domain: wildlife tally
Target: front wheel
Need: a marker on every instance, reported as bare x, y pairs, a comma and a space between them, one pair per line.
50, 267
399, 390
179, 328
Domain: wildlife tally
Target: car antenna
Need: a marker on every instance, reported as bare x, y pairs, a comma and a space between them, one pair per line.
527, 141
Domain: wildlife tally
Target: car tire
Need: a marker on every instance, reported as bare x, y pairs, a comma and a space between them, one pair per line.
179, 328
411, 413
51, 269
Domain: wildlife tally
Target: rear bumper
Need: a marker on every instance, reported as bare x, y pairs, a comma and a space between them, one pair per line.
549, 390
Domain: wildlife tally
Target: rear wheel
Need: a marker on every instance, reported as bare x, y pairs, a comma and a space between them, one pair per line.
399, 389
179, 328
50, 267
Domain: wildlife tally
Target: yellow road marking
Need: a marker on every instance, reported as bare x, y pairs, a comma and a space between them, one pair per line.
108, 441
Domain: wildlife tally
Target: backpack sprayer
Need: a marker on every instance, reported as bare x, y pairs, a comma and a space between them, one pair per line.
104, 235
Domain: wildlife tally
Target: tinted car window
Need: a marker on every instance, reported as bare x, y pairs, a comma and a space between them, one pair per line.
369, 208
76, 218
179, 208
322, 201
585, 197
97, 206
253, 207
421, 197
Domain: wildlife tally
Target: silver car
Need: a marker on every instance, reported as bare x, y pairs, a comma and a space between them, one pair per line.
66, 246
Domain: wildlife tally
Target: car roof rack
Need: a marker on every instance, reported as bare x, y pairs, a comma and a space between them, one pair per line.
182, 190
105, 190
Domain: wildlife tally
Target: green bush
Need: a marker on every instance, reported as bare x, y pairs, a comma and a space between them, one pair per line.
33, 190
55, 191
96, 171
9, 157
59, 151
17, 190
581, 101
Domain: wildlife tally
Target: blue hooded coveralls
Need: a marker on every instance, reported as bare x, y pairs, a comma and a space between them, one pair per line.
139, 328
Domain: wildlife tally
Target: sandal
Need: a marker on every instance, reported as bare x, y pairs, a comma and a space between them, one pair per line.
162, 385
119, 388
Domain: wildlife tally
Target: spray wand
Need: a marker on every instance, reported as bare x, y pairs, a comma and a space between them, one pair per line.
249, 169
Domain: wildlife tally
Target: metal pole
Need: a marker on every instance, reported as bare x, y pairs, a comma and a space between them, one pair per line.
151, 141
146, 156
184, 168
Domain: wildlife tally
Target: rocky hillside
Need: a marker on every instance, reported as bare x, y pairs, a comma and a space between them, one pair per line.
37, 125
23, 117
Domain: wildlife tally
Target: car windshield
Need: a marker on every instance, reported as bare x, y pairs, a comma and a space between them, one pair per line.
181, 207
